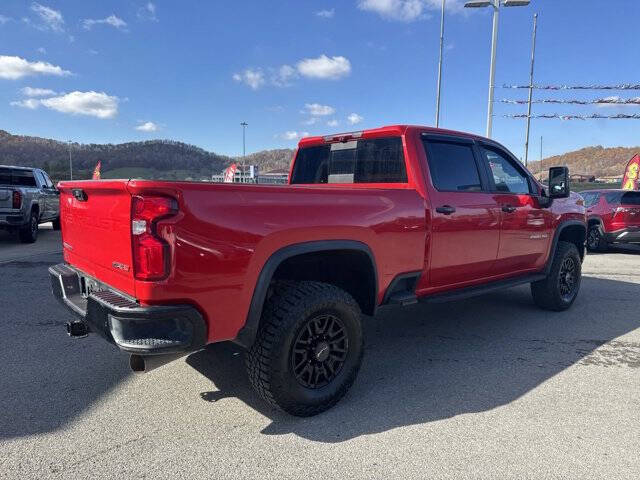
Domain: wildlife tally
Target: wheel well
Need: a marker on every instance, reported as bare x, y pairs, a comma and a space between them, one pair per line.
575, 234
350, 270
594, 221
35, 208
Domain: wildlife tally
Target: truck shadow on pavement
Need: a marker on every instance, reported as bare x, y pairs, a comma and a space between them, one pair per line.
432, 362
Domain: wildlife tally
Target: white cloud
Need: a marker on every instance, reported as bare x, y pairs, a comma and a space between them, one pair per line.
148, 12
37, 92
4, 19
324, 67
354, 118
252, 78
12, 68
311, 121
407, 10
147, 127
326, 13
51, 19
42, 51
333, 123
293, 135
95, 104
111, 20
30, 103
283, 76
317, 110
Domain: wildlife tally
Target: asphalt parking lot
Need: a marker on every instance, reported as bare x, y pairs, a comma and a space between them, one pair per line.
489, 387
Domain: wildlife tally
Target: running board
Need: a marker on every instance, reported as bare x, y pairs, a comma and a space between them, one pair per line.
469, 292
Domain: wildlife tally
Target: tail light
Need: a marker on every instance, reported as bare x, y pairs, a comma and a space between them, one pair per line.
16, 200
150, 252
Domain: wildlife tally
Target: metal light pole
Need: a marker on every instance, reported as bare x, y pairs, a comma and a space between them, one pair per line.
244, 126
494, 45
440, 66
70, 163
533, 57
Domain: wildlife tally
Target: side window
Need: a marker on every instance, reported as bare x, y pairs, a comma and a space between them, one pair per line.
47, 180
41, 179
452, 166
590, 198
506, 176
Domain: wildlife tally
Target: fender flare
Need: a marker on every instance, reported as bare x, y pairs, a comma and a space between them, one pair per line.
554, 244
248, 332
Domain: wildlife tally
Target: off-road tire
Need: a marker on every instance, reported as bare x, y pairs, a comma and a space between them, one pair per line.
29, 233
56, 224
595, 239
291, 307
547, 293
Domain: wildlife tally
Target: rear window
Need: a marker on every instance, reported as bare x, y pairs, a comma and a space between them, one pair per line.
452, 166
18, 178
622, 198
379, 160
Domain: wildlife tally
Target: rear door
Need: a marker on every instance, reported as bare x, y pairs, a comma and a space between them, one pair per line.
525, 227
628, 212
465, 218
96, 230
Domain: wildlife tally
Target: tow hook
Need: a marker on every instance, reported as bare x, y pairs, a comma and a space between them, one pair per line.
77, 329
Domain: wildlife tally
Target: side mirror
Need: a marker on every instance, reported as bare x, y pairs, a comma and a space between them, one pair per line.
559, 182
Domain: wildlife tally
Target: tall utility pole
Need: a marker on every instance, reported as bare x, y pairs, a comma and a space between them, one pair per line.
244, 127
495, 4
70, 163
533, 58
440, 66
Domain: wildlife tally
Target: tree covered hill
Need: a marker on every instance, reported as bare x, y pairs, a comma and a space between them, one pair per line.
150, 159
597, 161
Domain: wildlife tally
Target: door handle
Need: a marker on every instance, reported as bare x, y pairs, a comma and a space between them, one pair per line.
446, 209
508, 208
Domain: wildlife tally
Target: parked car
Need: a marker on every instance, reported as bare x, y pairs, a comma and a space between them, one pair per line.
27, 199
388, 216
613, 218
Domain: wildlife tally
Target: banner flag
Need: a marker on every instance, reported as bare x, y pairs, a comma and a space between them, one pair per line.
630, 179
96, 171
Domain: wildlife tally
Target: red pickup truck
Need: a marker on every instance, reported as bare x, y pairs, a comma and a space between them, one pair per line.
386, 216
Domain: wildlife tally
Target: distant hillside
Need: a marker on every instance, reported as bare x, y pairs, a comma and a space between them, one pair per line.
597, 161
151, 159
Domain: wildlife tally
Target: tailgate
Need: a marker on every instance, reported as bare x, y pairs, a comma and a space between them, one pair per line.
6, 198
629, 209
96, 230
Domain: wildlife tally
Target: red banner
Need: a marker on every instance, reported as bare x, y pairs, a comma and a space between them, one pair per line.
96, 171
229, 173
630, 179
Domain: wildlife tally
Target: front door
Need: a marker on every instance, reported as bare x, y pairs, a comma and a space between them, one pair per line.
525, 230
465, 218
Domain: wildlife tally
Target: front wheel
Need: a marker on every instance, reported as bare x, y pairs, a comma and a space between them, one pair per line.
308, 349
559, 290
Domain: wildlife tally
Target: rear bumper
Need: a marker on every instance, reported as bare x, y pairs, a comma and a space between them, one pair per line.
12, 220
624, 235
153, 330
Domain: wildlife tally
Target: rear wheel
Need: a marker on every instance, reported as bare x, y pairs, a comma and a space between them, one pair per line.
559, 290
309, 347
29, 233
595, 239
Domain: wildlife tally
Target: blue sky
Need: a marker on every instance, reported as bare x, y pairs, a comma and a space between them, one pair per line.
126, 70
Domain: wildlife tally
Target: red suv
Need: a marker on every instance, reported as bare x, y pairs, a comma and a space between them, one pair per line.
613, 216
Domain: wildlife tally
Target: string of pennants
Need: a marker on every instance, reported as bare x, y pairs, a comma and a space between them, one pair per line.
622, 86
599, 101
620, 116
613, 100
